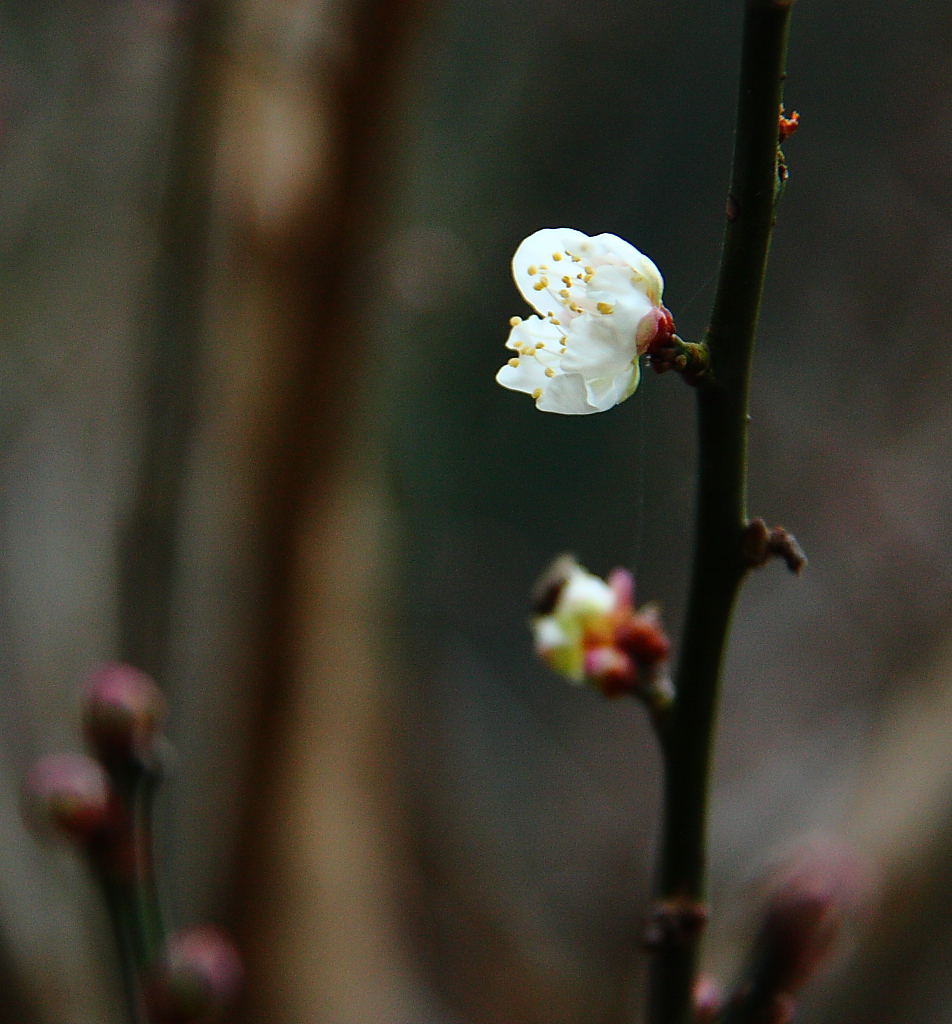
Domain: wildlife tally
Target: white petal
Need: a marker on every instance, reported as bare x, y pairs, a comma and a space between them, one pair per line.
605, 392
532, 332
585, 594
595, 347
527, 375
565, 394
537, 252
548, 635
638, 262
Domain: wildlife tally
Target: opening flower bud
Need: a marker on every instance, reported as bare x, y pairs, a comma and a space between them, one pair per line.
201, 973
587, 629
122, 711
69, 794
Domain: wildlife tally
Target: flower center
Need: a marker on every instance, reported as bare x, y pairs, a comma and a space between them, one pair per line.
567, 279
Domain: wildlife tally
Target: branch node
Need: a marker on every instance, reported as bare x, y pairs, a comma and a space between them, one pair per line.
760, 543
788, 125
689, 358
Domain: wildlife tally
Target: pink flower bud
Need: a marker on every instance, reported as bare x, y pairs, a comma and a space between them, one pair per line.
707, 998
122, 711
622, 584
70, 794
812, 895
201, 973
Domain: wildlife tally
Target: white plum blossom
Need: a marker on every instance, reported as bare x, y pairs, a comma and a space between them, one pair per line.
599, 308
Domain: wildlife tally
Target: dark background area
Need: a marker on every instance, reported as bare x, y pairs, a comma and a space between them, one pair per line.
401, 814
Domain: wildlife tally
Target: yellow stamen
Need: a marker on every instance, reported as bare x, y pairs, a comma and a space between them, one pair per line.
549, 372
574, 308
604, 307
562, 351
531, 271
540, 344
576, 259
564, 293
554, 322
537, 392
544, 281
538, 286
567, 281
514, 362
589, 270
556, 256
588, 278
514, 321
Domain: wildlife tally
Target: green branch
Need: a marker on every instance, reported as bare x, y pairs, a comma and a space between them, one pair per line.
719, 562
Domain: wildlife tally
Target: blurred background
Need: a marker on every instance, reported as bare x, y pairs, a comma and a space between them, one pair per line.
255, 283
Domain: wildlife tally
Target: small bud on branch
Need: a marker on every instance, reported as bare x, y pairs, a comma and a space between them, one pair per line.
761, 543
122, 712
199, 975
70, 794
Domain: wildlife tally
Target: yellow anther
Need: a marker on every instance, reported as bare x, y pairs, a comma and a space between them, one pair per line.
540, 344
567, 281
555, 322
588, 278
556, 256
531, 271
563, 340
564, 293
562, 351
544, 281
574, 308
589, 270
538, 286
542, 266
537, 392
605, 307
576, 259
549, 372
514, 362
514, 321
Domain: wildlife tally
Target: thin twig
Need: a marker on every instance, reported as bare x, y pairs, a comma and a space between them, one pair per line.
719, 565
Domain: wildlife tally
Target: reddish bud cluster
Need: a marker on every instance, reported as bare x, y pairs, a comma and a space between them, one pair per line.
73, 794
626, 651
